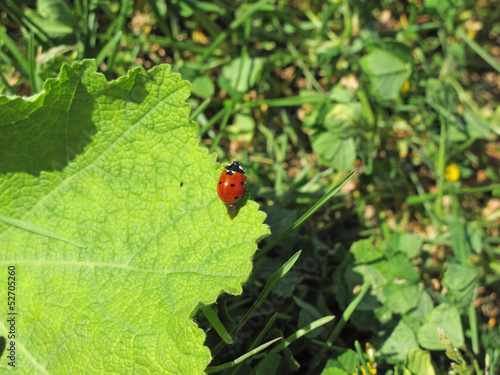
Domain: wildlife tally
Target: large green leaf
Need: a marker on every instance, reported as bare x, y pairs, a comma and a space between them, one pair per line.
116, 167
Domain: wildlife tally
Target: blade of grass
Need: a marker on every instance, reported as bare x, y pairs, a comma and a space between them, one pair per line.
200, 109
214, 320
227, 114
234, 98
346, 13
312, 182
122, 18
361, 357
29, 227
24, 19
301, 332
173, 20
417, 199
8, 62
83, 41
417, 183
459, 243
213, 120
32, 63
235, 95
327, 16
108, 49
348, 312
277, 276
211, 370
304, 217
305, 69
8, 87
441, 168
21, 63
479, 50
278, 166
260, 336
311, 80
342, 322
93, 31
233, 25
474, 335
159, 19
309, 98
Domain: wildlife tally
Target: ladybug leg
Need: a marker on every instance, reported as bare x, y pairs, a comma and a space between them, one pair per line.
231, 210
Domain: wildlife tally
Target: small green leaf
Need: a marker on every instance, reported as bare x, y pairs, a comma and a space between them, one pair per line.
387, 73
459, 243
424, 307
458, 277
349, 360
240, 75
203, 87
461, 282
342, 117
418, 362
335, 150
407, 243
400, 268
400, 341
477, 127
365, 252
401, 298
54, 17
243, 128
333, 367
446, 317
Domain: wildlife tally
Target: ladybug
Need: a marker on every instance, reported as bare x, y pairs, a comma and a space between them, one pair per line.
231, 186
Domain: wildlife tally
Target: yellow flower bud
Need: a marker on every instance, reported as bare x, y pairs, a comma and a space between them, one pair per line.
406, 87
452, 172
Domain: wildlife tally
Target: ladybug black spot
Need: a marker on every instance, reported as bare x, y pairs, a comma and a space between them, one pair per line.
236, 198
232, 185
242, 183
220, 182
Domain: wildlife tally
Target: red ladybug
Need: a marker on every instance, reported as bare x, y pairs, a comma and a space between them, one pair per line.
231, 186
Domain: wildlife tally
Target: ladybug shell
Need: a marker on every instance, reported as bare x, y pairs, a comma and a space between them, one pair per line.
232, 184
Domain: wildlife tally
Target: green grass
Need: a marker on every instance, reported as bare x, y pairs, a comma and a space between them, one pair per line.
304, 93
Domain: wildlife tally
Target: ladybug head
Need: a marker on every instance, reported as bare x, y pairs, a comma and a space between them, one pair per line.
235, 166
